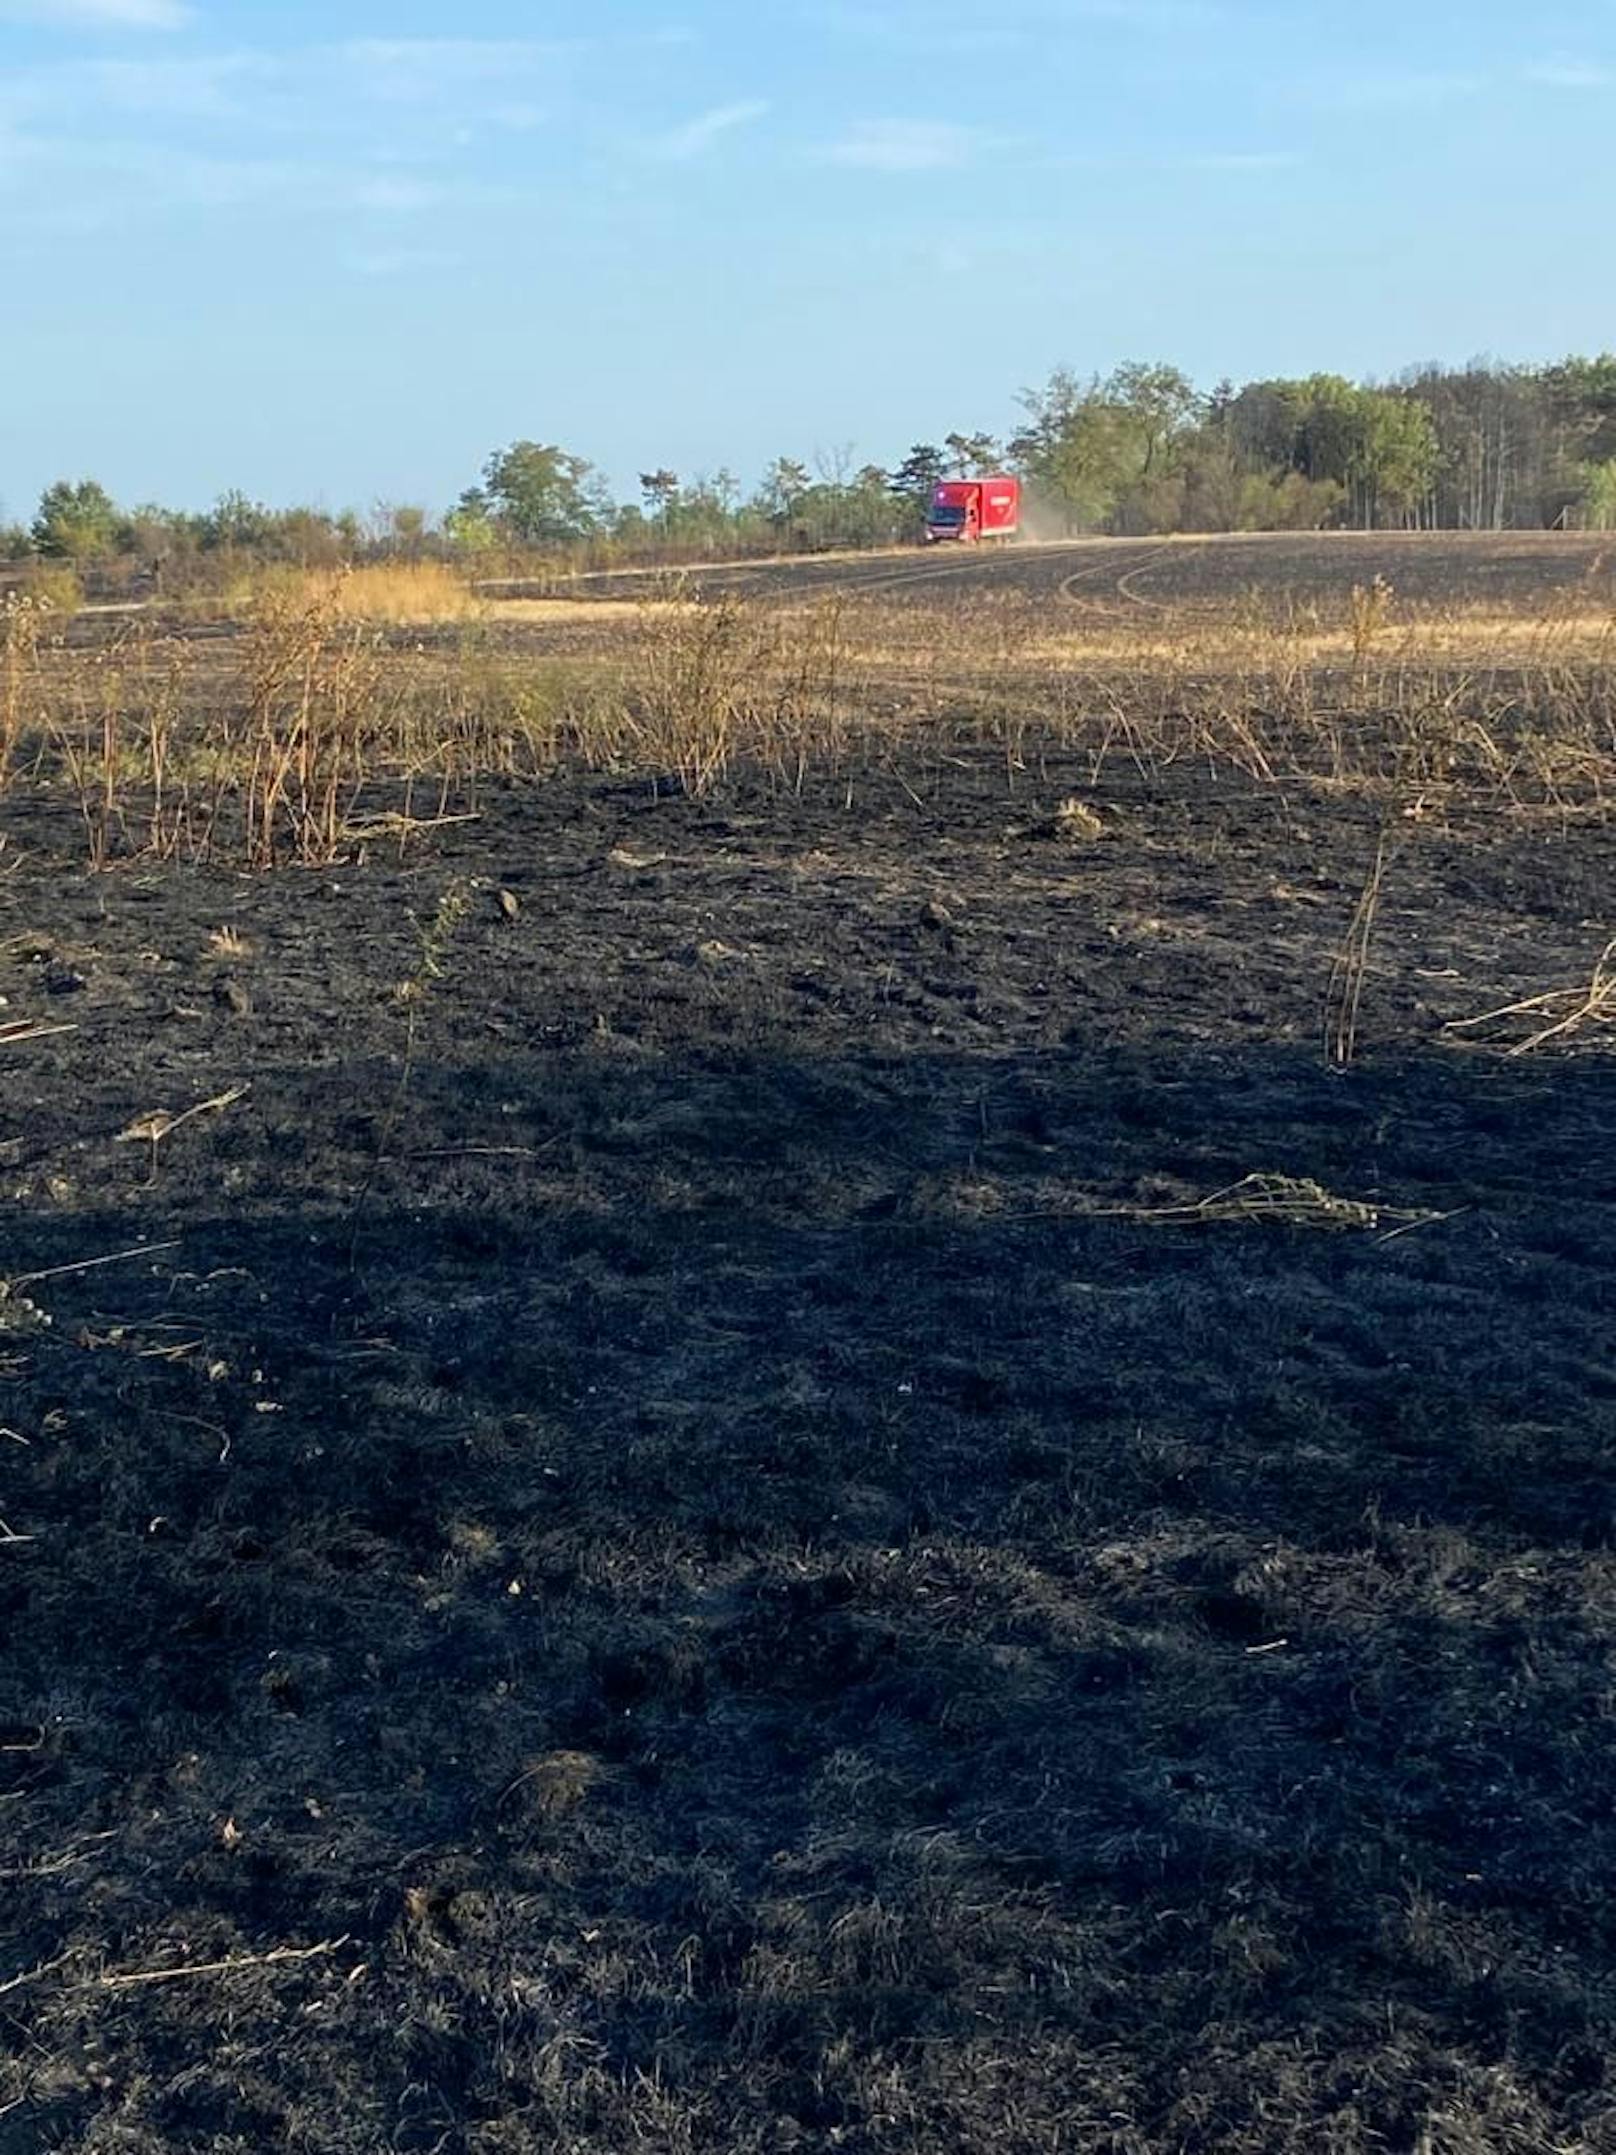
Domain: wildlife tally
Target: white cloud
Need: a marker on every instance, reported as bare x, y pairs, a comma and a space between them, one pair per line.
523, 119
963, 27
404, 261
1243, 161
119, 182
905, 146
397, 197
1126, 161
114, 182
203, 88
1572, 75
933, 33
100, 14
1413, 88
414, 70
700, 134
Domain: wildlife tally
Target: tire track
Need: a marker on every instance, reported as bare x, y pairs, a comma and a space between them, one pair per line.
1070, 596
1126, 584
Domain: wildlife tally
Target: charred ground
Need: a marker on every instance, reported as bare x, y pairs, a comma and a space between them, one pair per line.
655, 1553
1509, 569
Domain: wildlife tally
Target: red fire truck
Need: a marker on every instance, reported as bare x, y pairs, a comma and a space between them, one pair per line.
972, 509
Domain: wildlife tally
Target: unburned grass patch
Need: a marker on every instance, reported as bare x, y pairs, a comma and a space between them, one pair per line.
398, 594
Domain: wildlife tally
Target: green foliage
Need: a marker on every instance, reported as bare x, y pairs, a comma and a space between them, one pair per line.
1161, 405
75, 523
1376, 451
660, 492
542, 496
796, 512
236, 525
1110, 452
404, 529
1394, 457
785, 486
1288, 501
1582, 396
972, 456
1485, 446
1063, 449
1210, 481
469, 526
1142, 451
917, 476
152, 538
1599, 502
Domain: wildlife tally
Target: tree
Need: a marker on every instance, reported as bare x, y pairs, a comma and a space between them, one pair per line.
75, 522
972, 456
1209, 482
660, 491
916, 478
1599, 501
846, 507
1582, 402
1493, 449
469, 526
1394, 461
1162, 403
235, 524
542, 495
403, 528
313, 539
1374, 451
783, 486
703, 514
155, 540
1287, 501
1077, 448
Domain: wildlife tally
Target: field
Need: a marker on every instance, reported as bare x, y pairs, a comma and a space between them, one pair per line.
1521, 576
826, 1361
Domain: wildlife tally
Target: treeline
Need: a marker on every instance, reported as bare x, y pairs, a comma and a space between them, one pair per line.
1142, 450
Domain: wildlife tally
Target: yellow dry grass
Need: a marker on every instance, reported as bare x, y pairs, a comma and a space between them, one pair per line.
1456, 637
290, 739
1018, 638
418, 594
582, 613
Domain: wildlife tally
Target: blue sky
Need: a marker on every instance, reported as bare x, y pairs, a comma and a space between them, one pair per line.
339, 252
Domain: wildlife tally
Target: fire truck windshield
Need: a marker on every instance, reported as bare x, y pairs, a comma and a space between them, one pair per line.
943, 513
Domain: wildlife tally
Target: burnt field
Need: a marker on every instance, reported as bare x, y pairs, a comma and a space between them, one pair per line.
887, 1437
1510, 570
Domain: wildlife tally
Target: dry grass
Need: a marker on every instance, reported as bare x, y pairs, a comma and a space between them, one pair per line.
563, 612
1077, 822
1343, 995
1555, 1016
317, 726
23, 620
707, 685
1116, 629
1280, 1201
402, 594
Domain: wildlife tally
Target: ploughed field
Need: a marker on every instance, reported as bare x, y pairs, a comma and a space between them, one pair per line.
916, 1460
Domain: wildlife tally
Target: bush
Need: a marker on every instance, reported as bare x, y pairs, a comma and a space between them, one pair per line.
54, 588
